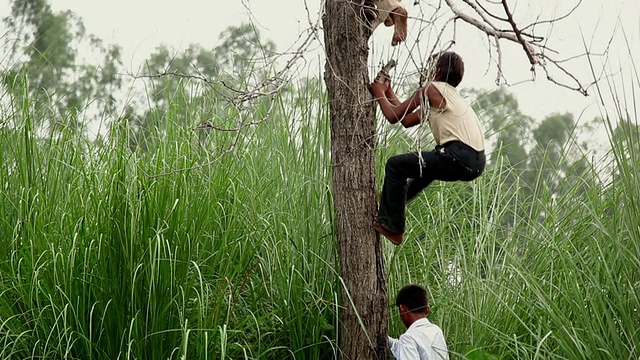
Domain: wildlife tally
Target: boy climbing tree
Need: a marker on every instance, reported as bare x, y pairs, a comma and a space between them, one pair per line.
459, 152
363, 294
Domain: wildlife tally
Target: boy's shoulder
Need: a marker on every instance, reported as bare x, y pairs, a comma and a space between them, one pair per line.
446, 89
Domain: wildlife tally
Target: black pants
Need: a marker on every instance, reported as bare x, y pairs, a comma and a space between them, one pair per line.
453, 161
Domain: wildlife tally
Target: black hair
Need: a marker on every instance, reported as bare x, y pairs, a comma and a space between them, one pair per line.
451, 68
414, 297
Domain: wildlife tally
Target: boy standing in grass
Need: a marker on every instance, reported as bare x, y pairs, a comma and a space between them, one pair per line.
459, 152
422, 340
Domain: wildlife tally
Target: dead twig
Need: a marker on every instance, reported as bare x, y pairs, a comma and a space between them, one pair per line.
533, 59
504, 27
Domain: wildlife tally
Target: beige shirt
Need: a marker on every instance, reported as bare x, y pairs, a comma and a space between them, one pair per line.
384, 7
457, 121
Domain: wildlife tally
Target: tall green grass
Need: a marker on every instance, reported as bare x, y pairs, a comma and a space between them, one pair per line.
108, 252
546, 276
103, 260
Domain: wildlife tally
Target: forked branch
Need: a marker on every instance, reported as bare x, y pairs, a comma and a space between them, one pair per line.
503, 26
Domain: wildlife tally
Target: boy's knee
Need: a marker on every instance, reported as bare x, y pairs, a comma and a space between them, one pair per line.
392, 165
400, 11
396, 16
386, 10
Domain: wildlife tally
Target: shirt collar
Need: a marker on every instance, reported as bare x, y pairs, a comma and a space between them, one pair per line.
419, 323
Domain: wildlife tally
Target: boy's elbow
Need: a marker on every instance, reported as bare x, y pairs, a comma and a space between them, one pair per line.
407, 124
392, 118
410, 120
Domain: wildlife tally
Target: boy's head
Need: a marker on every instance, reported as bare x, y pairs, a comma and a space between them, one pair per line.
413, 303
449, 68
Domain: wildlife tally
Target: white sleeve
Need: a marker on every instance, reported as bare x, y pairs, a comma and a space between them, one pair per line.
405, 348
392, 341
439, 348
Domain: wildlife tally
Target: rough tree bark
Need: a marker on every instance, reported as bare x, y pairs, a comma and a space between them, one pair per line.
363, 319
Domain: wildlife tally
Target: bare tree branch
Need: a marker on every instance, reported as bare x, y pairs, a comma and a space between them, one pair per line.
559, 18
223, 151
525, 45
482, 11
243, 95
534, 47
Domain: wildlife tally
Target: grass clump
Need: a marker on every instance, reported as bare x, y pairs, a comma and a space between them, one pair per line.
109, 252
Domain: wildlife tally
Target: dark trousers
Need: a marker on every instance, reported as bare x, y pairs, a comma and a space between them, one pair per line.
453, 161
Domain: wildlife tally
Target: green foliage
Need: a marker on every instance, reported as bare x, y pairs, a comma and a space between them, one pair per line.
196, 61
538, 158
242, 46
102, 260
45, 53
499, 109
550, 152
243, 54
110, 252
479, 354
214, 77
172, 240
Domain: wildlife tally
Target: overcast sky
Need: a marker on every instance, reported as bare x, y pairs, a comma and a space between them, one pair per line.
141, 25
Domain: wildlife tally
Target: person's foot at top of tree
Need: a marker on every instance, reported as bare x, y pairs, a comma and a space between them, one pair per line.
389, 13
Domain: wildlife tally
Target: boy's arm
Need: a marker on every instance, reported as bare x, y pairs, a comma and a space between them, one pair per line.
412, 119
393, 99
436, 100
392, 341
405, 348
396, 112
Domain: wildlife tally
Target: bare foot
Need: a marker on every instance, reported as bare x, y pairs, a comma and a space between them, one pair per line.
399, 19
395, 238
398, 36
388, 21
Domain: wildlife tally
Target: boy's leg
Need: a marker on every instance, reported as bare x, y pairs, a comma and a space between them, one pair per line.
389, 12
415, 186
398, 17
396, 190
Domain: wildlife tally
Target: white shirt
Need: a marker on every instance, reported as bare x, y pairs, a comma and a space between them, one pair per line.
422, 341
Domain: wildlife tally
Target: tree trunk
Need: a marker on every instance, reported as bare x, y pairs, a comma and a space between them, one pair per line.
363, 319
